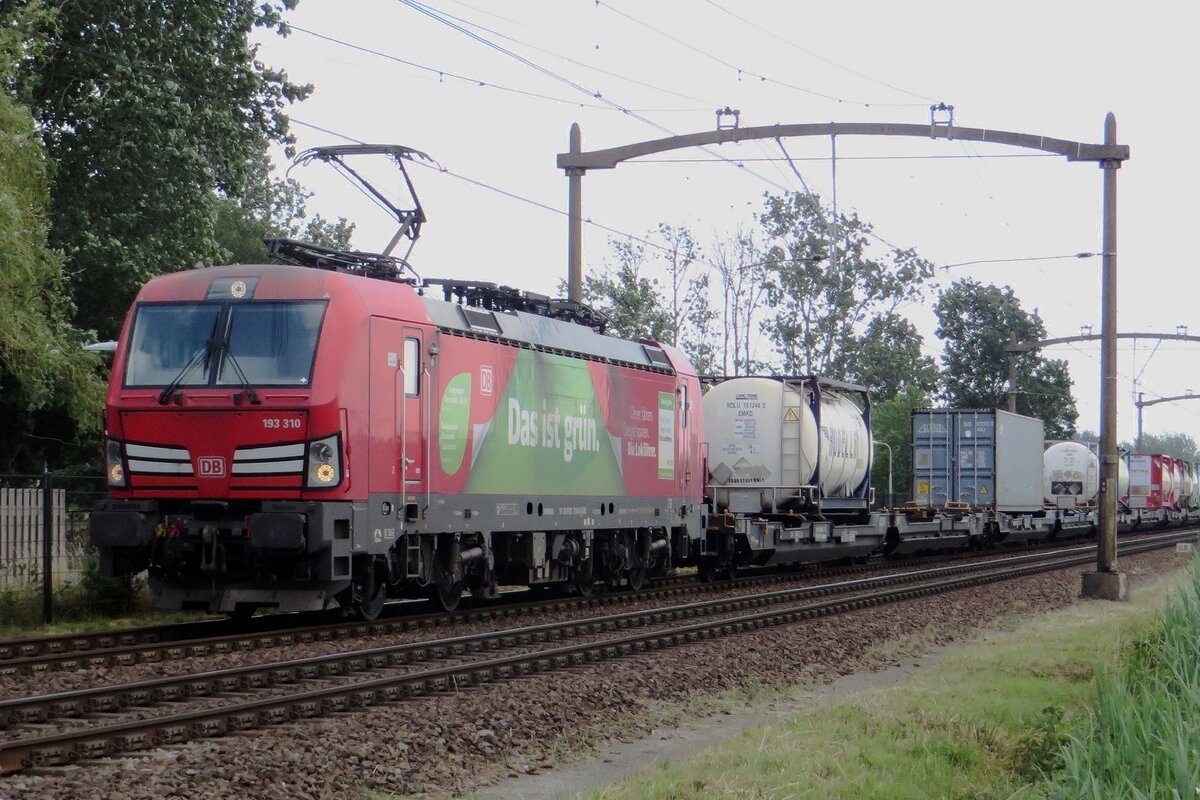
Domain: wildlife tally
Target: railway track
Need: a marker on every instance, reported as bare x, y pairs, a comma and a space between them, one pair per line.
317, 686
153, 644
187, 639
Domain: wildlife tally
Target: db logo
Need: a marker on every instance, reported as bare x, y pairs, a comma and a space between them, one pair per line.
485, 380
212, 467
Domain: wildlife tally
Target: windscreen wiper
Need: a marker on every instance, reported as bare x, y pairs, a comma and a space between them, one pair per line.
237, 368
170, 388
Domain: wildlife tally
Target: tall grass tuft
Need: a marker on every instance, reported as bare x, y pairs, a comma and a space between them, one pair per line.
1143, 738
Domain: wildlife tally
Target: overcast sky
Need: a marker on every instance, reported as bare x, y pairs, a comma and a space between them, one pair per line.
1050, 68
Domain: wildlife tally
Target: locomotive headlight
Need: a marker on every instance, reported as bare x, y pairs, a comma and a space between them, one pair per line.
325, 463
114, 463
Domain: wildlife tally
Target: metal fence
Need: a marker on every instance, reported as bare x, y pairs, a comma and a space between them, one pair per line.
47, 566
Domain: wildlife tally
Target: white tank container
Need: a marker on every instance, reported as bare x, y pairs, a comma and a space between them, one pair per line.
1122, 478
1070, 474
1168, 481
845, 445
763, 443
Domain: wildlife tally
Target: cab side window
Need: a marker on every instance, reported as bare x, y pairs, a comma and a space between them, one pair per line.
412, 366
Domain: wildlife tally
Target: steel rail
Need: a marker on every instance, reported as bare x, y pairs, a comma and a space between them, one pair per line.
36, 657
154, 644
80, 702
139, 734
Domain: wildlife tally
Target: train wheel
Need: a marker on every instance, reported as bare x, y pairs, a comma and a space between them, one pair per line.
368, 594
585, 577
445, 591
369, 609
637, 576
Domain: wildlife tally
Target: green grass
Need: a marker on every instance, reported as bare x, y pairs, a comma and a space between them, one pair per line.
987, 722
1142, 740
27, 622
90, 602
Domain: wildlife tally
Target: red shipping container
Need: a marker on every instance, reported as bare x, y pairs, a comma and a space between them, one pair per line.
1150, 481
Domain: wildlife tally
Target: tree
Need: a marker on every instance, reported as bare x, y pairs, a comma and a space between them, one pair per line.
887, 359
744, 280
891, 423
698, 337
1178, 444
632, 301
51, 392
976, 321
684, 290
153, 111
275, 210
825, 304
679, 313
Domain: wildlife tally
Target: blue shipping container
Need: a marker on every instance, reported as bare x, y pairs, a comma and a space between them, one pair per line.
977, 458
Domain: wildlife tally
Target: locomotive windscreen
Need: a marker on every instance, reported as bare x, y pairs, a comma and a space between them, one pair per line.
274, 343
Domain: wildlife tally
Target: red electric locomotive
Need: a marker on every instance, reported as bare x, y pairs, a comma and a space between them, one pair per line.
309, 437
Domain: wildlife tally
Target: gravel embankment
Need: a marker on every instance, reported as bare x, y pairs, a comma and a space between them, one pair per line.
456, 741
18, 685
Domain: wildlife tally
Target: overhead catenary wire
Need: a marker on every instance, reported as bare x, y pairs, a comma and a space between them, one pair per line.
817, 56
1154, 395
570, 60
432, 13
1021, 259
970, 149
480, 82
748, 72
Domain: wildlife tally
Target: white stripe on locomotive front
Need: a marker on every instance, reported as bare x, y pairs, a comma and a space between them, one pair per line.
276, 451
267, 467
160, 467
148, 451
